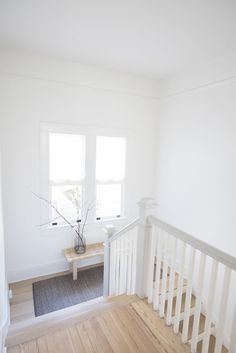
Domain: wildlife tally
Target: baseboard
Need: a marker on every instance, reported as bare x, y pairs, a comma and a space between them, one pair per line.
3, 333
57, 320
22, 274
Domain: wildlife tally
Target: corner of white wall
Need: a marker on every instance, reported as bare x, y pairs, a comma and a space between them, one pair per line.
4, 302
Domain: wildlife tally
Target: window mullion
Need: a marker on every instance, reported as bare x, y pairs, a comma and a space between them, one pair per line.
90, 178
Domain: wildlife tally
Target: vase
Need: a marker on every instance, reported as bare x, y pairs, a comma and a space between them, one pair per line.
80, 245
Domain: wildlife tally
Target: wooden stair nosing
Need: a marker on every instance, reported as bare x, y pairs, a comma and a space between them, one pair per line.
41, 325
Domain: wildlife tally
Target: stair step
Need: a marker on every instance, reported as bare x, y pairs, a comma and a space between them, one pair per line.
157, 326
41, 325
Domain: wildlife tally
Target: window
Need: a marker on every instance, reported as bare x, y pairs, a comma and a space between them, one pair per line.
83, 167
66, 175
110, 175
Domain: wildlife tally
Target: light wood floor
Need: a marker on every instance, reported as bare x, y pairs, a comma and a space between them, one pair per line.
21, 304
130, 328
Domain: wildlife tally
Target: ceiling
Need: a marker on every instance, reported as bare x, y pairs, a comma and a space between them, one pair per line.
147, 37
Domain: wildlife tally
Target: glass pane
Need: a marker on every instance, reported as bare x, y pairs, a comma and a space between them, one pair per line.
110, 158
108, 200
66, 157
68, 200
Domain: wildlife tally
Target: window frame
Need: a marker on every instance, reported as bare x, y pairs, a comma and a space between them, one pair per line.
90, 182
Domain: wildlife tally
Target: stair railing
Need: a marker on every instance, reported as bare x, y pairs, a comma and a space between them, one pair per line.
152, 259
124, 255
180, 263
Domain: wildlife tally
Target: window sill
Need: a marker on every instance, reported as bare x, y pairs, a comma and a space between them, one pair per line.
97, 223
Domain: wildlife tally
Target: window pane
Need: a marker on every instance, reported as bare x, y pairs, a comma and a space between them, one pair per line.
108, 200
68, 200
66, 157
110, 158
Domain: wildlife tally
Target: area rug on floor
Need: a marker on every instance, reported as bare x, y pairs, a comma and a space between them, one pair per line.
61, 292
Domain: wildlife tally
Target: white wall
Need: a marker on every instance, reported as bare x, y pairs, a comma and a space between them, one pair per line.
196, 161
196, 156
36, 89
4, 307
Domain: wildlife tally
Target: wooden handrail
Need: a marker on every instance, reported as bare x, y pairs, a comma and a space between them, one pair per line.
196, 243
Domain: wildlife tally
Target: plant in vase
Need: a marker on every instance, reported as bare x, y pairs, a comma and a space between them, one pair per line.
73, 195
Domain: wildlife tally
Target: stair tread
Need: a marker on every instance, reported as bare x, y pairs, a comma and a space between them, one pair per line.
38, 326
158, 327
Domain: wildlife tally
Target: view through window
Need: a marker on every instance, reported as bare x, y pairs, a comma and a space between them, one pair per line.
77, 177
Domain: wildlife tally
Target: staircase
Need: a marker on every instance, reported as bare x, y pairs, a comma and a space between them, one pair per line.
160, 287
123, 324
186, 282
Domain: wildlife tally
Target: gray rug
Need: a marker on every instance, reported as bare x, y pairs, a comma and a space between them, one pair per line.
60, 292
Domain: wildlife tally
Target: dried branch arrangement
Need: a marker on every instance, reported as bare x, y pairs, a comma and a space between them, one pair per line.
79, 227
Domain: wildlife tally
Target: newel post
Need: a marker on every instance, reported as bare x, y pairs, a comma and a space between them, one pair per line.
109, 231
146, 208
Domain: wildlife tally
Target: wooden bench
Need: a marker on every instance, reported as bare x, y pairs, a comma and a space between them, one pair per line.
73, 259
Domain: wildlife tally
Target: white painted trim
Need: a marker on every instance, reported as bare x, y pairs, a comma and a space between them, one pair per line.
17, 275
198, 244
90, 181
4, 330
197, 88
124, 230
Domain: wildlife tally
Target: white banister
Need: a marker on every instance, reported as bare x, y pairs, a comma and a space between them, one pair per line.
197, 312
148, 256
109, 231
156, 301
198, 244
150, 274
171, 281
188, 300
180, 288
210, 306
232, 347
164, 274
146, 207
223, 310
124, 230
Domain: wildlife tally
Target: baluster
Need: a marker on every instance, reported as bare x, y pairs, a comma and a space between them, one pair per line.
117, 266
171, 281
188, 299
223, 310
180, 289
164, 275
134, 261
156, 298
232, 347
209, 308
122, 254
112, 268
129, 274
125, 262
197, 311
152, 251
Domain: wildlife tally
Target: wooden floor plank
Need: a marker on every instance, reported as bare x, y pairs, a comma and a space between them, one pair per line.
165, 335
113, 336
30, 347
75, 340
125, 337
15, 349
97, 337
42, 345
84, 338
135, 331
129, 328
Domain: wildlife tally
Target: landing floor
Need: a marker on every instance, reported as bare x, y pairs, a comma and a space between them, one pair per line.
129, 328
21, 304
